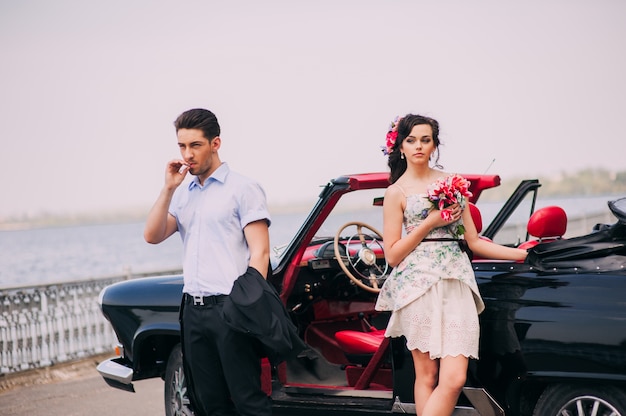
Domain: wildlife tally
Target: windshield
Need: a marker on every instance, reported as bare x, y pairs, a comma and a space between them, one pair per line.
353, 206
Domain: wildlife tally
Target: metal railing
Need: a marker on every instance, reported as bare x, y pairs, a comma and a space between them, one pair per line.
54, 323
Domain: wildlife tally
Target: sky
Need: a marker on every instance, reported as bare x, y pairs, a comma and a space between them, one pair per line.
304, 91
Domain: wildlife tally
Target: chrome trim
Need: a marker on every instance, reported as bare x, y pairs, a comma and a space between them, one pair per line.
409, 409
347, 392
483, 402
403, 408
484, 405
112, 370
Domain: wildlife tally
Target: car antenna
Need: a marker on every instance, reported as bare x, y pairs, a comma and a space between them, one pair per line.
489, 167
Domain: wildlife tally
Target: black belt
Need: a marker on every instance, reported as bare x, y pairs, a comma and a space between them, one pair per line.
204, 300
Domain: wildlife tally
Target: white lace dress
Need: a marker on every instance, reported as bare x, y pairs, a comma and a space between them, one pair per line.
433, 293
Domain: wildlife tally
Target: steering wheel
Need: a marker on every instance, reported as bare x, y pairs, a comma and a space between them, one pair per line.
367, 273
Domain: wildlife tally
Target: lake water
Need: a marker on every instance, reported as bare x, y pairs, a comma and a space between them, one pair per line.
84, 252
61, 254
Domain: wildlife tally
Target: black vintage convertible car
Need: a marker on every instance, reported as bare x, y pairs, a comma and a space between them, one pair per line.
553, 335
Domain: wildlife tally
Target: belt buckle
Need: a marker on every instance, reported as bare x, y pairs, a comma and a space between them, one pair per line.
198, 300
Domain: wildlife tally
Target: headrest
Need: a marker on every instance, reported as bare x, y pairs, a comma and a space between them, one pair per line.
478, 219
548, 221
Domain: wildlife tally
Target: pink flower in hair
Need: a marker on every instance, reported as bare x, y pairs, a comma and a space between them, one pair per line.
392, 135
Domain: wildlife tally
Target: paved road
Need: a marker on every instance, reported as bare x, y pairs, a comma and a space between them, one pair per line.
76, 389
83, 393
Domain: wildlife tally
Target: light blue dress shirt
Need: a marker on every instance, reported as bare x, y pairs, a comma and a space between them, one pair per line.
211, 219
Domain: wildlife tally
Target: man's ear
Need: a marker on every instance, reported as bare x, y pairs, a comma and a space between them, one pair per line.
216, 143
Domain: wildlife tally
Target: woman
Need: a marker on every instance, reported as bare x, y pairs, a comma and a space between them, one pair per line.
432, 291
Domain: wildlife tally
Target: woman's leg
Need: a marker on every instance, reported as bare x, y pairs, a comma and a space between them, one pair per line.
425, 378
452, 375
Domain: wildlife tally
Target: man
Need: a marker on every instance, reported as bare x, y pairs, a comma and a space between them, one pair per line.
223, 220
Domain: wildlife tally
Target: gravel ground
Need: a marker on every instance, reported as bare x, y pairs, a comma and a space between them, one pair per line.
58, 372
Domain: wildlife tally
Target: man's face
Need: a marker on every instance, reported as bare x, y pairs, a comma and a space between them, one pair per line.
198, 152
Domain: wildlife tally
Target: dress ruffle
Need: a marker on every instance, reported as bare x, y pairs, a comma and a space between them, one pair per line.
442, 322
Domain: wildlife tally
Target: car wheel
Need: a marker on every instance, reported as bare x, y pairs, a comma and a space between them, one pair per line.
566, 400
176, 395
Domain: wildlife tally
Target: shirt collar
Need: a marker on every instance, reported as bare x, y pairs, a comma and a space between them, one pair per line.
218, 175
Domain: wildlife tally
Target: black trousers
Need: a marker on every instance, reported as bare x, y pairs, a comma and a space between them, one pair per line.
224, 364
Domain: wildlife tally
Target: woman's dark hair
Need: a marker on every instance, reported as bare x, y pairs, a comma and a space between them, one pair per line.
201, 119
405, 125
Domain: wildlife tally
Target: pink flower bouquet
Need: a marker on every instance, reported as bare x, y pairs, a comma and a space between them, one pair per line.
447, 191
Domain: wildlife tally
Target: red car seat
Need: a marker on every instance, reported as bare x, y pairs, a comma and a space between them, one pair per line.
476, 217
366, 352
359, 343
546, 224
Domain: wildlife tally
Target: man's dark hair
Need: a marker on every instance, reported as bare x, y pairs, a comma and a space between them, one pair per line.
201, 119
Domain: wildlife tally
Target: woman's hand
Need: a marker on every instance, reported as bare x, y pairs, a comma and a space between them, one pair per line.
453, 214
